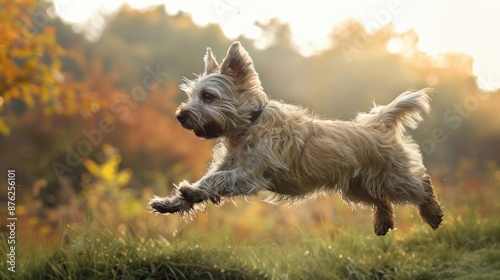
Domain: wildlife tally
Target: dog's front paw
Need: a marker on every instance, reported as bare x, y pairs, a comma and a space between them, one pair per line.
191, 194
168, 205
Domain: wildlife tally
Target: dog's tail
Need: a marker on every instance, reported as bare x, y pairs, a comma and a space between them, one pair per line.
404, 112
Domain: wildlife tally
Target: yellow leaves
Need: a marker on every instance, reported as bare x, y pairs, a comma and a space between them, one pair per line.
124, 177
27, 96
4, 129
23, 53
13, 93
92, 167
10, 71
23, 92
110, 167
107, 172
44, 95
108, 187
30, 61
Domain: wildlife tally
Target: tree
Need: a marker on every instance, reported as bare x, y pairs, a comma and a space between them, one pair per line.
30, 62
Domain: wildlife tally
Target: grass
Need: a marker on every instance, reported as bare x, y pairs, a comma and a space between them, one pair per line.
465, 247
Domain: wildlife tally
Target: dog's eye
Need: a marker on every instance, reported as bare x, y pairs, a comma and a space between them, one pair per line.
207, 96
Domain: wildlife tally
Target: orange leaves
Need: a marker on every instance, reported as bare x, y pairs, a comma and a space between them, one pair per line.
50, 31
27, 96
7, 35
29, 59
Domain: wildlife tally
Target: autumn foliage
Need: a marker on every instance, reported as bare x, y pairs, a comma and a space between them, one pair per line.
30, 59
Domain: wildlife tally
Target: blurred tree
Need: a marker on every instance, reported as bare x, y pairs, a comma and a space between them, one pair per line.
30, 61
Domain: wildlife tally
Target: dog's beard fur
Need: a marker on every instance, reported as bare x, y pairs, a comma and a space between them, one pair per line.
268, 146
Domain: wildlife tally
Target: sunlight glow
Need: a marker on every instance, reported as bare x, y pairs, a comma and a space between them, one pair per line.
395, 46
468, 27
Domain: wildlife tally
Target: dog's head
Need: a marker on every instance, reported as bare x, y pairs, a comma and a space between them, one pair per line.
225, 98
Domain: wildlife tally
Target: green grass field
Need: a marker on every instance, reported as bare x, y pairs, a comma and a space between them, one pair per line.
465, 247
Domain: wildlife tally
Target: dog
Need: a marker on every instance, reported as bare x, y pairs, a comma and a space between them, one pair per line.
264, 145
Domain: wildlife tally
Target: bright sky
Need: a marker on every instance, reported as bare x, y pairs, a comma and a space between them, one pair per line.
471, 27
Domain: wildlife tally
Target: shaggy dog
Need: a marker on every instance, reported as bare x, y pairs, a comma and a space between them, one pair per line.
264, 145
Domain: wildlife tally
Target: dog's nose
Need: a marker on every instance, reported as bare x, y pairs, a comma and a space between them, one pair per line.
181, 117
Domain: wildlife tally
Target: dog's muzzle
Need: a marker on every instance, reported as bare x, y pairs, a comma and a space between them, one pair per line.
182, 118
208, 131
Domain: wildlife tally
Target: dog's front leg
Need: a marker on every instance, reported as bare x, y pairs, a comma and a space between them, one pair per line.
175, 203
211, 187
215, 185
226, 183
172, 204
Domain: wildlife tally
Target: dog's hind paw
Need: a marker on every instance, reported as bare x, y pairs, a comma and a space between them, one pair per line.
432, 214
383, 227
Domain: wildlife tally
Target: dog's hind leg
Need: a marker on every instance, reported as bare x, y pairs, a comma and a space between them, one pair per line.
383, 213
383, 216
430, 211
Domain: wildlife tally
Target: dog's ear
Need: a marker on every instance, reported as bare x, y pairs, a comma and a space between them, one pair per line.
211, 65
239, 65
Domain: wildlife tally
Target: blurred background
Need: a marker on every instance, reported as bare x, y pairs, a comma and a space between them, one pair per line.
88, 91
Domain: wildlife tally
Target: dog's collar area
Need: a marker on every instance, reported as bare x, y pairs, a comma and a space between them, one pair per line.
255, 115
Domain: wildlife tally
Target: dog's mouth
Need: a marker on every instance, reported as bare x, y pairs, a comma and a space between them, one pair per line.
209, 131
